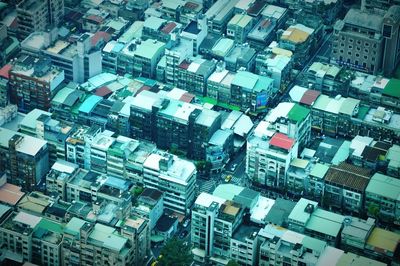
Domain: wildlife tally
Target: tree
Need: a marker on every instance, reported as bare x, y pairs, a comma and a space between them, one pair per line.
232, 263
175, 253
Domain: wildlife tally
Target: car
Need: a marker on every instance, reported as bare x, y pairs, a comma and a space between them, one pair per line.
186, 223
233, 167
228, 178
183, 234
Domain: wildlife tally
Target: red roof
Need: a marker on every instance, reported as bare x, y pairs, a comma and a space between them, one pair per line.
185, 64
14, 24
309, 97
100, 35
168, 28
5, 71
281, 141
103, 91
95, 18
143, 88
187, 97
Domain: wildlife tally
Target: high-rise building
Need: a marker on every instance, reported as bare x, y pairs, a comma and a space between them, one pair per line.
214, 220
368, 41
175, 177
35, 15
24, 159
33, 82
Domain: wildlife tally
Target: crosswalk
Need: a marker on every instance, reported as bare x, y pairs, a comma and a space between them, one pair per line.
207, 186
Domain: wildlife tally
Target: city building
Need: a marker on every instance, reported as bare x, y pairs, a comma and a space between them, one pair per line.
38, 16
275, 63
329, 79
24, 159
79, 59
214, 221
60, 172
150, 205
81, 238
345, 186
382, 198
239, 27
300, 40
268, 156
175, 177
31, 238
33, 82
219, 14
380, 40
193, 75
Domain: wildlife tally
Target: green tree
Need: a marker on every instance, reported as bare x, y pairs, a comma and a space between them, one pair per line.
373, 210
175, 253
232, 263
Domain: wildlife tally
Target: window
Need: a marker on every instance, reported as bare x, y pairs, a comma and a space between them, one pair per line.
357, 55
387, 31
349, 52
356, 62
350, 46
365, 56
366, 51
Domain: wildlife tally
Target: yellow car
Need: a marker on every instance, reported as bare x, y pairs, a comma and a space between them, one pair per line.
228, 178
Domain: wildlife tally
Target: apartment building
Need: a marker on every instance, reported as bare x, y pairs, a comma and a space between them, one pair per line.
382, 198
275, 63
193, 75
365, 46
239, 27
24, 159
38, 15
307, 218
281, 246
300, 40
345, 186
125, 158
39, 124
33, 82
291, 119
245, 245
150, 206
347, 117
173, 176
329, 79
77, 148
30, 238
56, 180
146, 56
250, 91
268, 156
79, 60
219, 14
84, 242
213, 222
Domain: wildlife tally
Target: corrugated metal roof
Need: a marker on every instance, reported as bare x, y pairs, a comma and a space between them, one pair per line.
281, 141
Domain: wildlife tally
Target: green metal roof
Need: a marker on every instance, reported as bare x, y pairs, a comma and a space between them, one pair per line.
385, 186
149, 48
362, 112
392, 88
50, 225
62, 95
74, 226
322, 102
245, 79
319, 170
313, 244
325, 223
227, 191
298, 113
348, 106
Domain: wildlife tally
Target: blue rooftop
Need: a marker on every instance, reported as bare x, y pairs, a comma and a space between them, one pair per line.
117, 183
90, 103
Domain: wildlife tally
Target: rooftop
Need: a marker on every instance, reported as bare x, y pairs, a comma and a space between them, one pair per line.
381, 239
364, 19
385, 186
349, 176
297, 33
392, 88
300, 213
282, 141
28, 145
149, 49
10, 194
